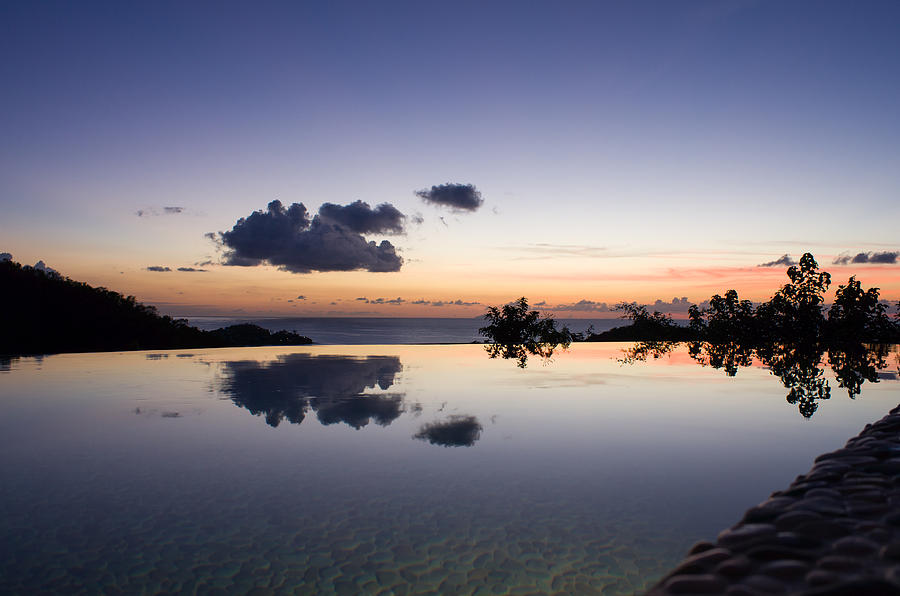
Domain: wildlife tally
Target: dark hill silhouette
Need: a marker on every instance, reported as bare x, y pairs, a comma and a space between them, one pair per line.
42, 312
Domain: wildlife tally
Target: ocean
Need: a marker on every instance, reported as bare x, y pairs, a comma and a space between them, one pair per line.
381, 331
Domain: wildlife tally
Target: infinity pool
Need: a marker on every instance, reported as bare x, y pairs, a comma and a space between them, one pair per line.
388, 469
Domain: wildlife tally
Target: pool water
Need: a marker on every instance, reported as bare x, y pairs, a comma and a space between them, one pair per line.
388, 469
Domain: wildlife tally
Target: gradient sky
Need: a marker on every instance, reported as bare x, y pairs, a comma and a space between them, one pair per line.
624, 151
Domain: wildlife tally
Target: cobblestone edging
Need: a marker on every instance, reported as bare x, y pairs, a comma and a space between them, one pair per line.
835, 531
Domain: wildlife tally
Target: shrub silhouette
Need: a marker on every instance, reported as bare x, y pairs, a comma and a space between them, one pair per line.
515, 332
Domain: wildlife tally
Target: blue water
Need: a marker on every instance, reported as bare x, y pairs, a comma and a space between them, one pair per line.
381, 331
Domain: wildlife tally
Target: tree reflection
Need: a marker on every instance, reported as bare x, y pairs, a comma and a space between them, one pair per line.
853, 365
799, 366
331, 386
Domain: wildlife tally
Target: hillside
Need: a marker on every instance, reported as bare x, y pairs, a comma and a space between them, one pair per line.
43, 313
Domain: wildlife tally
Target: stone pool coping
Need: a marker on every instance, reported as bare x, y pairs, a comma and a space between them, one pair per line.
835, 531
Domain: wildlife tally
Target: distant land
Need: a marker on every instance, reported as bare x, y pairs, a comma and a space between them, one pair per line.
46, 313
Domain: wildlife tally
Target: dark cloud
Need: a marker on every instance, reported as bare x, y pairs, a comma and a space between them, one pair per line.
457, 431
888, 257
362, 219
459, 197
5, 256
417, 219
363, 299
155, 211
287, 239
782, 261
158, 268
192, 270
301, 297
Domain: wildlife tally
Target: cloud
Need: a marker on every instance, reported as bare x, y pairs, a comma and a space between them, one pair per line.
457, 431
5, 256
675, 305
287, 239
192, 270
363, 299
584, 305
417, 219
41, 266
396, 300
362, 219
884, 257
456, 302
157, 211
301, 297
158, 268
782, 261
459, 197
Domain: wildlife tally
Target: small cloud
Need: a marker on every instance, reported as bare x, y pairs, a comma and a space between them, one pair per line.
397, 300
421, 301
888, 257
457, 302
363, 299
157, 211
417, 219
192, 270
541, 303
584, 305
158, 268
301, 297
459, 197
782, 261
41, 266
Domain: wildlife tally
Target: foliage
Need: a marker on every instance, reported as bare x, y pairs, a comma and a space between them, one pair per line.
728, 318
43, 313
858, 313
645, 326
516, 332
795, 312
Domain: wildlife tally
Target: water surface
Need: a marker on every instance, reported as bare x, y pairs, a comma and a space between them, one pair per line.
394, 469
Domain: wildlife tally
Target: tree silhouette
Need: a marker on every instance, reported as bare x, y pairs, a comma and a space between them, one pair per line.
515, 333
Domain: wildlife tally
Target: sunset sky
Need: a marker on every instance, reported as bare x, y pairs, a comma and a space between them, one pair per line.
634, 151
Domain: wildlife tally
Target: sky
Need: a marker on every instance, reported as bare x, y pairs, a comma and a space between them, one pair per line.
576, 153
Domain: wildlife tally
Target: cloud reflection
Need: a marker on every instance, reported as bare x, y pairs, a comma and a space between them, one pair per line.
457, 431
331, 386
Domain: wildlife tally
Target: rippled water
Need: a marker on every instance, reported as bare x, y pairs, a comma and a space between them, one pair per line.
394, 469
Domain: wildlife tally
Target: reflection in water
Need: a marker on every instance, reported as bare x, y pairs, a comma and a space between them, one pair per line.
520, 352
6, 362
457, 431
331, 386
798, 366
